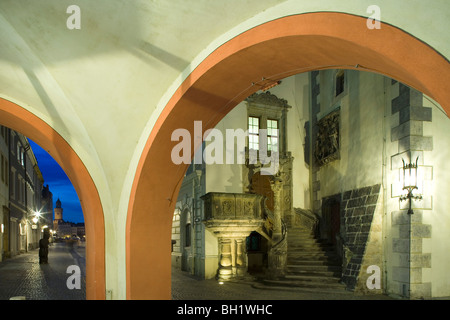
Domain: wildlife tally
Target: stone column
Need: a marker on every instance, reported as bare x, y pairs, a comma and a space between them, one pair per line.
225, 271
241, 258
233, 258
278, 252
276, 186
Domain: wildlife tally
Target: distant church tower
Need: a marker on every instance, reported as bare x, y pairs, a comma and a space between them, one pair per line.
58, 215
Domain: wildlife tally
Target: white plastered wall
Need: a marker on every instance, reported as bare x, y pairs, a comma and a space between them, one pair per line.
437, 182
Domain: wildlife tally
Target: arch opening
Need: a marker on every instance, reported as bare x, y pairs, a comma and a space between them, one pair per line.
16, 118
274, 51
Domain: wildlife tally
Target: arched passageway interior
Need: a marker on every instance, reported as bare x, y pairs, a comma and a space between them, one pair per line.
17, 118
274, 50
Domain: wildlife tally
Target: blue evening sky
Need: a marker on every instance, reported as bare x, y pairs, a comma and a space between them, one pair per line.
59, 184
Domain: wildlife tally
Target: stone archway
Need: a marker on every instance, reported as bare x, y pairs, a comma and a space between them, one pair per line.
274, 50
17, 118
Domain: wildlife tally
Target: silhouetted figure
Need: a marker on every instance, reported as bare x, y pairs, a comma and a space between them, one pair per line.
43, 248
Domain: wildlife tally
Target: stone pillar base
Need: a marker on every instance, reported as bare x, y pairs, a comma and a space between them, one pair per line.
233, 259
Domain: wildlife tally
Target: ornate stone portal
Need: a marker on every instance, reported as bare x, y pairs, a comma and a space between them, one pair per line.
268, 106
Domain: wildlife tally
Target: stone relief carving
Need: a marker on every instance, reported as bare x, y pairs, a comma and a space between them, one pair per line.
227, 207
248, 207
267, 98
327, 141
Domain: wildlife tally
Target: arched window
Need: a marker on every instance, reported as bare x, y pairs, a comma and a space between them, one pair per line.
187, 234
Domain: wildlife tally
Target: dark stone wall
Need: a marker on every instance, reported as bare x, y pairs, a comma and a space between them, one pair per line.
357, 210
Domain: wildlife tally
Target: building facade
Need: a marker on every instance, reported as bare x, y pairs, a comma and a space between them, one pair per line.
46, 208
17, 196
340, 176
65, 229
36, 218
21, 195
4, 193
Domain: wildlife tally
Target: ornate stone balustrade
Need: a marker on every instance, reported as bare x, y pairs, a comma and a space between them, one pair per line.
232, 206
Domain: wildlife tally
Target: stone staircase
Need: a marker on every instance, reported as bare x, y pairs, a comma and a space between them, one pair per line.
311, 264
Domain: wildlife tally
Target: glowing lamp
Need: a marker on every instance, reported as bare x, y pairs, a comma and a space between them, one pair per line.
410, 183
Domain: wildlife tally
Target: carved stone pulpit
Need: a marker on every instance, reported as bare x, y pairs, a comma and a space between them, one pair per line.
231, 217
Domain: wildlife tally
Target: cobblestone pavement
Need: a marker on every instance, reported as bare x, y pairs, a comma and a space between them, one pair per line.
187, 287
23, 276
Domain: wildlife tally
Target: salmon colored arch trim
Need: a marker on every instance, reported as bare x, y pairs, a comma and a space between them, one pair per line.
17, 118
275, 50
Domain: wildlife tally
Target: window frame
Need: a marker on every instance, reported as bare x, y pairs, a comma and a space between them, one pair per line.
339, 80
251, 144
270, 136
187, 235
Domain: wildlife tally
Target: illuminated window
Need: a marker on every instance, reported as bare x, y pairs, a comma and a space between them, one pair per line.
268, 113
272, 135
253, 133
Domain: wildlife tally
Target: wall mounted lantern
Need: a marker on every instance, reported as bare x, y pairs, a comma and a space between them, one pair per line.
410, 183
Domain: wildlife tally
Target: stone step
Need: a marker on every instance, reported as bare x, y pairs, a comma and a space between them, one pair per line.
302, 247
299, 244
305, 255
300, 236
316, 278
300, 233
299, 228
328, 283
308, 242
301, 239
311, 254
336, 291
312, 275
299, 258
313, 263
314, 268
